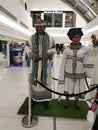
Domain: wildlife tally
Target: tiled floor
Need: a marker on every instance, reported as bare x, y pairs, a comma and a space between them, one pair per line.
13, 91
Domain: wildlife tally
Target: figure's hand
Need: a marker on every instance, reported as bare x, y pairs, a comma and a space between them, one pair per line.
37, 57
50, 54
49, 57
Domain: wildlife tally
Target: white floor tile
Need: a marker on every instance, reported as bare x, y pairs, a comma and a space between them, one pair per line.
72, 124
13, 124
45, 124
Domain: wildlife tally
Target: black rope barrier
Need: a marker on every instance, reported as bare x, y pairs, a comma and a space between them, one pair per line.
85, 81
94, 86
54, 78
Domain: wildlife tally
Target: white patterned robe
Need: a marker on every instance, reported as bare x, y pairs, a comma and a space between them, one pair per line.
72, 77
41, 70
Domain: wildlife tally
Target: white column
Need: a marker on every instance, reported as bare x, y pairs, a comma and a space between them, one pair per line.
8, 55
63, 24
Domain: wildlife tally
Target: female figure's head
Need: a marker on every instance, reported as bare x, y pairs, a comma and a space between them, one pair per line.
75, 34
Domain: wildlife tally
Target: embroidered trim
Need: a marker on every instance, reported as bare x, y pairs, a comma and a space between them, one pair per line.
88, 65
61, 82
75, 76
77, 58
78, 46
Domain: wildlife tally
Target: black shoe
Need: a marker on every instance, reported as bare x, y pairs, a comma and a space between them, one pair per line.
66, 106
77, 106
46, 105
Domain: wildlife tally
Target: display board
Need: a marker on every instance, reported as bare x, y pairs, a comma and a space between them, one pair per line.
55, 18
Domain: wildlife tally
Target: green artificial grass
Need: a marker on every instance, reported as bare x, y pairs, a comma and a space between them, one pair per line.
56, 110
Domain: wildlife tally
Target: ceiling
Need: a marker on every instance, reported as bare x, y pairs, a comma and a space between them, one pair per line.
88, 9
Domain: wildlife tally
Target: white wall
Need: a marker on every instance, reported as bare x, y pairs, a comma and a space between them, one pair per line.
80, 22
15, 7
46, 4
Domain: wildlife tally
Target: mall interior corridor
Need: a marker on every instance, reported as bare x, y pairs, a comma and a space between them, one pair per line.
34, 29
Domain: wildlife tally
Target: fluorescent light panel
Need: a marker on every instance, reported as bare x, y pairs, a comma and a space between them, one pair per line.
14, 25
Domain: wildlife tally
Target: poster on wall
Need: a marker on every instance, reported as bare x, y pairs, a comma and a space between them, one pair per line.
18, 54
69, 19
48, 18
35, 16
58, 18
55, 18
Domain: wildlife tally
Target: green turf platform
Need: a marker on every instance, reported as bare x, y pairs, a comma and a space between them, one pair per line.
56, 110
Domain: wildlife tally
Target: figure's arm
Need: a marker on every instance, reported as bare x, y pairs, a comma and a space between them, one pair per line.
51, 51
62, 69
89, 58
91, 50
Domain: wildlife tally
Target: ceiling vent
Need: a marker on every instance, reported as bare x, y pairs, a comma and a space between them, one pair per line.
95, 7
89, 15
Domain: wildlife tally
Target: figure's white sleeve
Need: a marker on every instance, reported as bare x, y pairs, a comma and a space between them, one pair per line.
28, 49
30, 42
31, 53
51, 51
89, 59
94, 78
61, 80
52, 41
91, 50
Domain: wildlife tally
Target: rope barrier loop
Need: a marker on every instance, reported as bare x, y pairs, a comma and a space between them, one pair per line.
91, 88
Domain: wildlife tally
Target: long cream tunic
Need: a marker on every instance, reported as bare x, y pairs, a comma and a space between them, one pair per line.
72, 76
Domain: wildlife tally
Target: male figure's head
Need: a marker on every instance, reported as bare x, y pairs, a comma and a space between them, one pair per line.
40, 26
